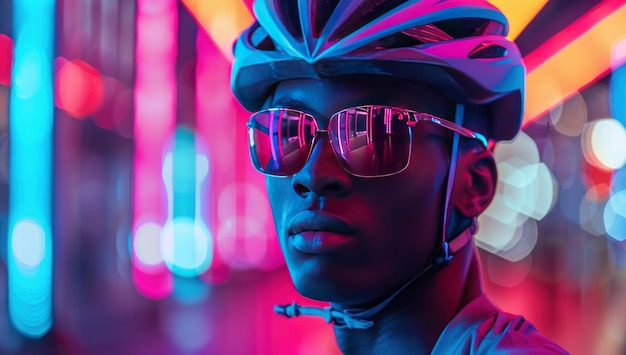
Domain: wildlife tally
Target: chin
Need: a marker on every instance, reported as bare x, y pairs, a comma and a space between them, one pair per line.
322, 290
335, 287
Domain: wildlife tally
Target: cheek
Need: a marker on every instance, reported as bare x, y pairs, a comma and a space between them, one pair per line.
278, 190
409, 206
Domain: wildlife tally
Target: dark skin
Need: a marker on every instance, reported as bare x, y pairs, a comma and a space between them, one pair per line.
395, 221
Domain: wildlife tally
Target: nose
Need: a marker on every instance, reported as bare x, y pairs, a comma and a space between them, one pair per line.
322, 175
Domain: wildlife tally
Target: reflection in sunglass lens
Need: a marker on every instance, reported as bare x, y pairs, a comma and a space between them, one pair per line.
368, 141
371, 140
280, 140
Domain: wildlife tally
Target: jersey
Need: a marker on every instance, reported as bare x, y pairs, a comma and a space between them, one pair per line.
481, 328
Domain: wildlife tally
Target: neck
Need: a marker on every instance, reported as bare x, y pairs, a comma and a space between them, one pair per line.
413, 321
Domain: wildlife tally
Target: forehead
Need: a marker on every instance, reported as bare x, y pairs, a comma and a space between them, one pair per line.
323, 97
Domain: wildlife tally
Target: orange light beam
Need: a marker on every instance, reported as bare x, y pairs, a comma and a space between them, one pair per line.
573, 59
519, 13
223, 20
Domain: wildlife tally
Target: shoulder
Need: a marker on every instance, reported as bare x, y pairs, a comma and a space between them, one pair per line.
482, 328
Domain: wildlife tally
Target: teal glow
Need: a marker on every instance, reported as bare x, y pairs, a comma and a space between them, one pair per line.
618, 93
184, 178
186, 246
29, 253
615, 216
191, 291
186, 242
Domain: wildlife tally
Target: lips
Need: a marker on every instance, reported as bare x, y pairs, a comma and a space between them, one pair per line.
318, 232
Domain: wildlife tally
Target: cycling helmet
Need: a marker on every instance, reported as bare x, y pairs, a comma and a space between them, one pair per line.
457, 46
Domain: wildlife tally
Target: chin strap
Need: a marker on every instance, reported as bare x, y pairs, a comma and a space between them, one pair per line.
329, 314
358, 318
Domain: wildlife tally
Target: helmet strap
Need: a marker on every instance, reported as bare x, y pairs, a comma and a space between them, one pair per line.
361, 318
446, 252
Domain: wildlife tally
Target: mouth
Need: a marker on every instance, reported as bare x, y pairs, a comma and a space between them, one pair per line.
318, 233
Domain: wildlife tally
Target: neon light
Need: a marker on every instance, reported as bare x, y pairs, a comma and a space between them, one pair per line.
519, 13
155, 115
6, 58
222, 20
615, 216
80, 89
186, 243
604, 144
29, 243
554, 75
214, 99
617, 90
30, 170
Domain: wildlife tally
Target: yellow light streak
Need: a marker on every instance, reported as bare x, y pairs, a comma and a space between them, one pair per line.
223, 20
519, 13
579, 63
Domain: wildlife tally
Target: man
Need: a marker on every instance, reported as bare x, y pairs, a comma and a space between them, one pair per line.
371, 122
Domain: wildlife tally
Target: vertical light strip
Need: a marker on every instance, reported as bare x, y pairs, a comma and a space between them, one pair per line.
618, 81
29, 250
155, 117
213, 99
187, 244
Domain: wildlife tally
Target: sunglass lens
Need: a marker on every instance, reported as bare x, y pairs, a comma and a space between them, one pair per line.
371, 141
280, 141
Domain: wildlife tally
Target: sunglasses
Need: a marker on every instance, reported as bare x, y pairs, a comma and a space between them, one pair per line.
368, 141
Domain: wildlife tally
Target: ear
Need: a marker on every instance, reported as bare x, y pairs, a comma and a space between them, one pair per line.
475, 182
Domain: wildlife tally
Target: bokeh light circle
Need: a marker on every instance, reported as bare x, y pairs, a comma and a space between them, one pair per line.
244, 195
522, 244
591, 212
493, 235
604, 144
186, 246
615, 216
520, 152
572, 116
526, 192
80, 89
147, 244
28, 243
241, 242
618, 182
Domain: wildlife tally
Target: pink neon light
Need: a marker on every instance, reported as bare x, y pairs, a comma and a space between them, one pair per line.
6, 59
618, 57
587, 40
555, 44
155, 117
213, 109
242, 230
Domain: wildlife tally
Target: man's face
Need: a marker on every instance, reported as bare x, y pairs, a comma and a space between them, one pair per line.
352, 240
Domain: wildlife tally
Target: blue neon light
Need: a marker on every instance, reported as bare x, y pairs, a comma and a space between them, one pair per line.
187, 244
618, 93
29, 253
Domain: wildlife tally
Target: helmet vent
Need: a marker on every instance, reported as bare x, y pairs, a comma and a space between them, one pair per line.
321, 12
367, 12
260, 39
287, 12
471, 27
488, 50
440, 31
428, 34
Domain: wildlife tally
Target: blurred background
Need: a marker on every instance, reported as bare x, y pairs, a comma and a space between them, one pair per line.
131, 221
